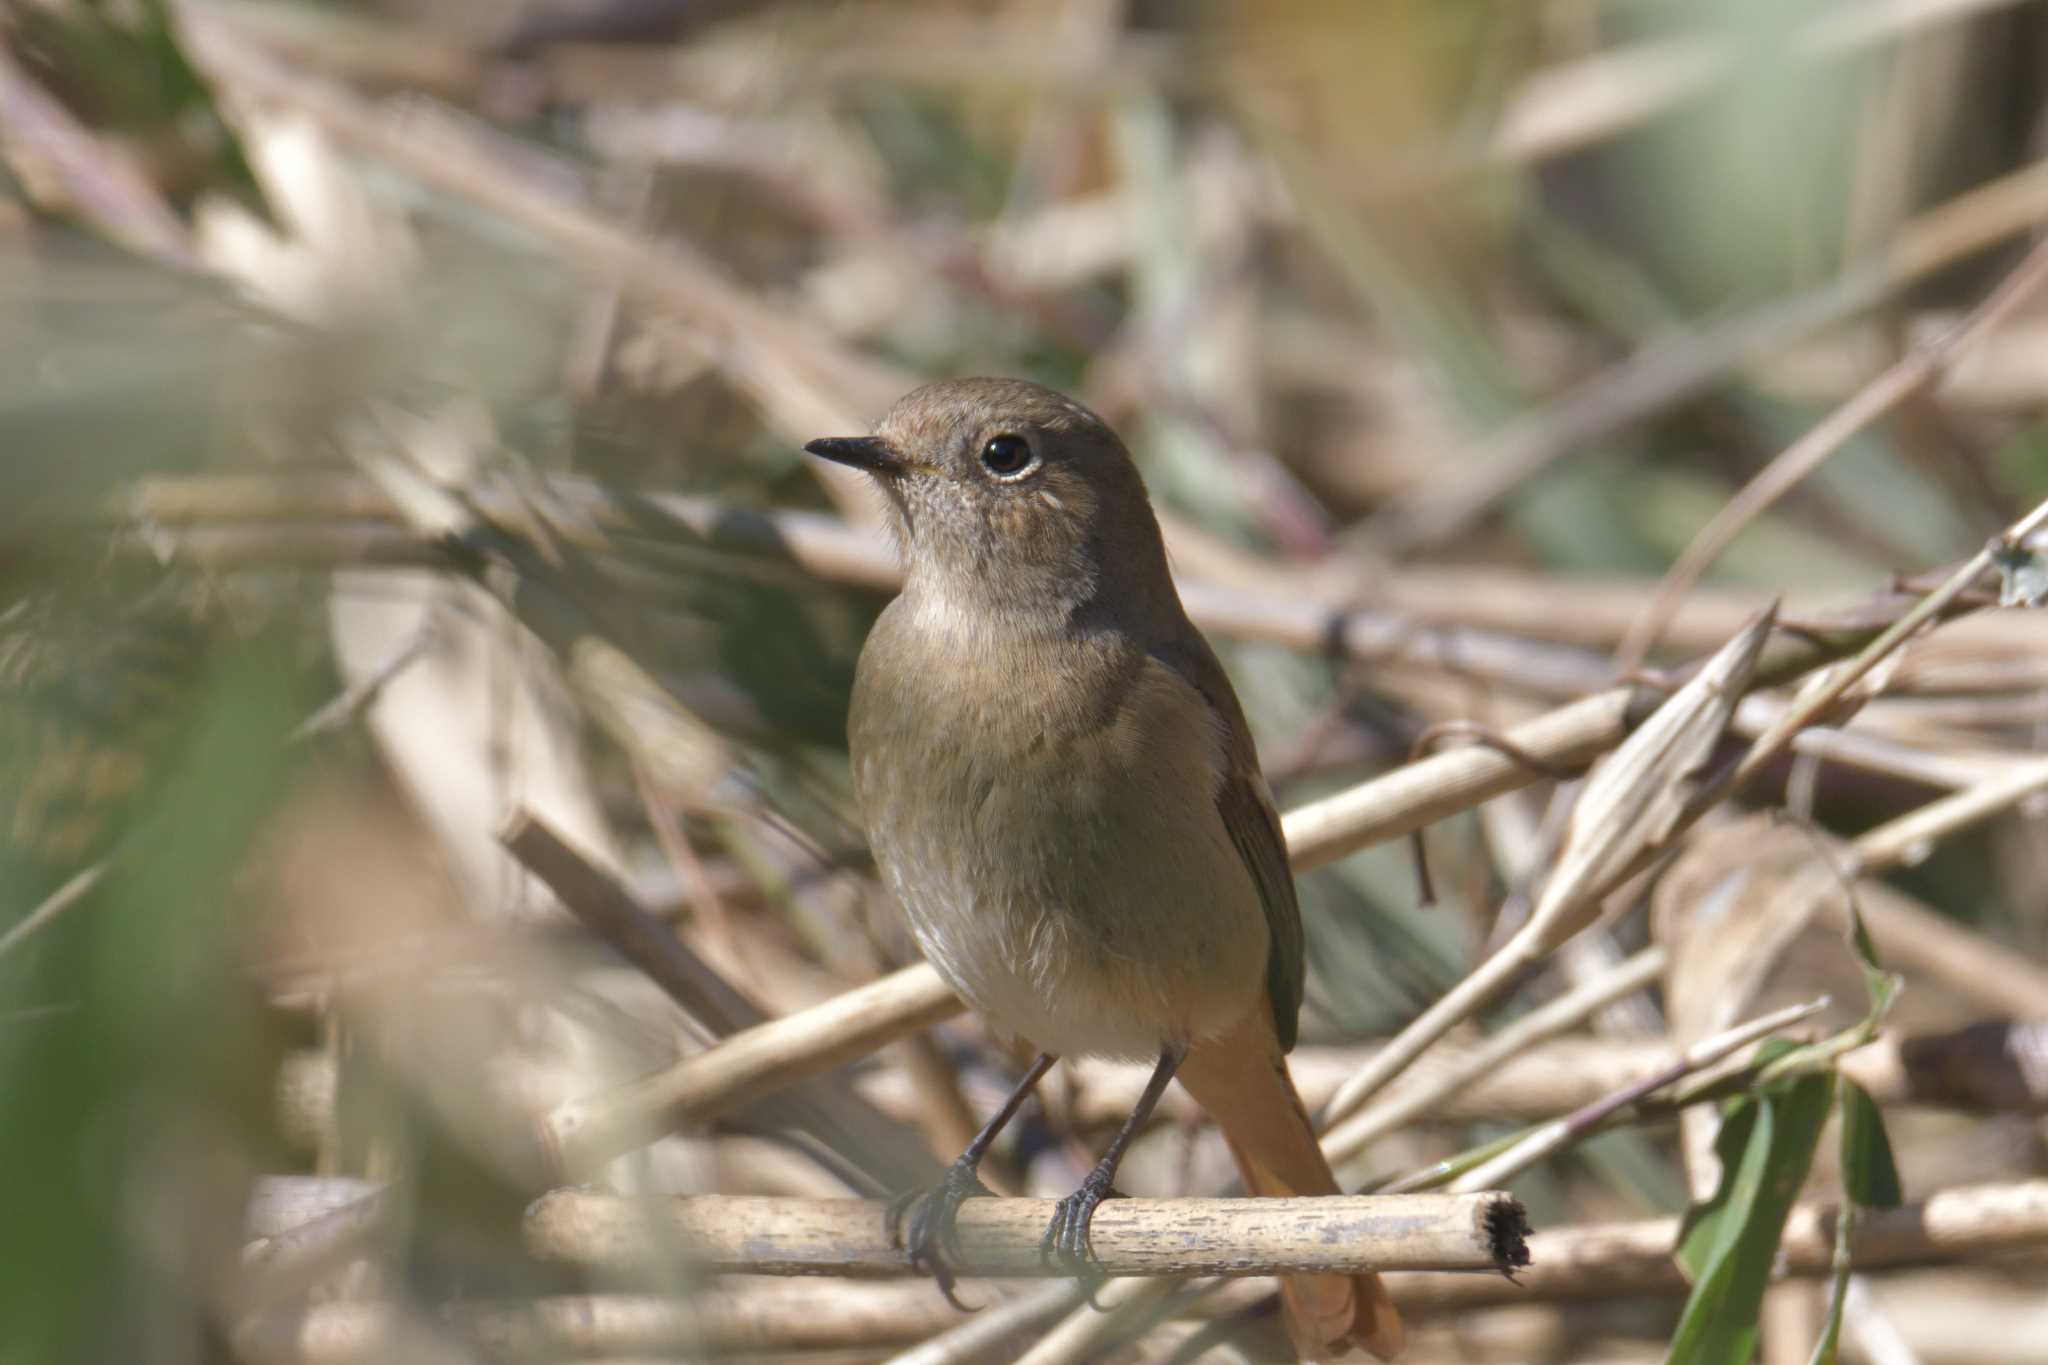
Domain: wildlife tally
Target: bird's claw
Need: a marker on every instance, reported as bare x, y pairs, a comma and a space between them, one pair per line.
928, 1235
1065, 1243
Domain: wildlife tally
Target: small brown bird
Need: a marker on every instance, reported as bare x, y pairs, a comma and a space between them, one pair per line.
1060, 788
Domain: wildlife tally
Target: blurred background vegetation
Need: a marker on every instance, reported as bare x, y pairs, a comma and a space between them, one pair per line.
400, 426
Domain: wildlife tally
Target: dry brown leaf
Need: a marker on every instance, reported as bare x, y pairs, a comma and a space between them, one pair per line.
1728, 910
1637, 799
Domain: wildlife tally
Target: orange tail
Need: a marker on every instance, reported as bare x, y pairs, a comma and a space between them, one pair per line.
1242, 1080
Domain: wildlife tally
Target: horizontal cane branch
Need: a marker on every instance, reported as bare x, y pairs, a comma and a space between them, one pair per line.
1608, 1260
1000, 1237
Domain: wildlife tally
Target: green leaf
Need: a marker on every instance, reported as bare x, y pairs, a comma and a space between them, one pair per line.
1883, 986
1774, 1050
1859, 938
1869, 1175
1870, 1180
1727, 1244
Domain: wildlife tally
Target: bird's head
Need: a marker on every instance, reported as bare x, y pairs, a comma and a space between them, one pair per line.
1011, 501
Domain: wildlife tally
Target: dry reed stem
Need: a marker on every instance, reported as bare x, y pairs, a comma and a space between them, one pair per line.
226, 522
857, 1141
1638, 784
756, 1316
1462, 620
1907, 839
1350, 1137
977, 1338
812, 1042
1546, 1079
1815, 702
1001, 1237
1992, 1066
1444, 784
1498, 1170
1911, 373
1097, 1326
1667, 372
1615, 1260
581, 1134
1874, 752
1913, 937
1588, 1262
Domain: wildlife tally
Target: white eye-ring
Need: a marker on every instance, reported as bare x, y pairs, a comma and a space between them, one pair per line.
1008, 457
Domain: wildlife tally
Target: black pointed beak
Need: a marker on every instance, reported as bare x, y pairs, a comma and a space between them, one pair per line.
871, 453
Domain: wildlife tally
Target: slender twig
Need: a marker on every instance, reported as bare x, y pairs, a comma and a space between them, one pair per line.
583, 1133
53, 905
361, 694
1902, 840
1907, 376
1814, 703
976, 1338
1601, 1114
1090, 1330
863, 1145
915, 999
1630, 809
645, 542
1915, 937
1345, 1140
1672, 370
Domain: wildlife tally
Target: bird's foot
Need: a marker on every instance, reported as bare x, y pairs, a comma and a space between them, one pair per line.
927, 1234
1065, 1243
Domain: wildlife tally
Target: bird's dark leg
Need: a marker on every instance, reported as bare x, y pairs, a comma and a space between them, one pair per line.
930, 1232
1066, 1237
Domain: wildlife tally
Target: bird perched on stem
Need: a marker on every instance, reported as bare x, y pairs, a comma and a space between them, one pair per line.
1061, 790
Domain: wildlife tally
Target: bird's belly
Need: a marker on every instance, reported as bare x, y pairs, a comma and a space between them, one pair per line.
1064, 865
1081, 971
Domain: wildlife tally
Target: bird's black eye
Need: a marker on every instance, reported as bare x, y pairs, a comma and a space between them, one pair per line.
1006, 457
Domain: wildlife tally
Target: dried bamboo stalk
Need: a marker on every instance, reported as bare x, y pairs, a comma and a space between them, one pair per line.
1000, 1237
1610, 1260
1589, 1262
